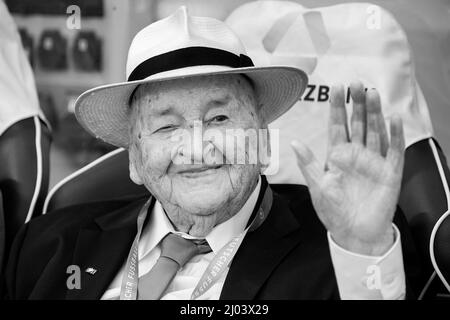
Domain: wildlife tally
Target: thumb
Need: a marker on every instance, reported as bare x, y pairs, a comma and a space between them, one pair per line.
308, 164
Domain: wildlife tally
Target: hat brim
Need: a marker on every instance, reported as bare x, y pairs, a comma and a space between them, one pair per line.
103, 111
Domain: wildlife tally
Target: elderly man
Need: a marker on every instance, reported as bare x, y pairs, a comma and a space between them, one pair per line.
213, 227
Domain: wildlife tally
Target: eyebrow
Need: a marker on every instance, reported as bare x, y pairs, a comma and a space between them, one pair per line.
221, 101
164, 111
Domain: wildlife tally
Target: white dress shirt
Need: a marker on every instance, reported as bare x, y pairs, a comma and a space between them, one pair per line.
358, 276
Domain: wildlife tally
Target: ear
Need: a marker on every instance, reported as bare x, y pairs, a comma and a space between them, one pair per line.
134, 172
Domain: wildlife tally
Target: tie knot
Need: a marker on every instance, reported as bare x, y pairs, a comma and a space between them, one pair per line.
182, 250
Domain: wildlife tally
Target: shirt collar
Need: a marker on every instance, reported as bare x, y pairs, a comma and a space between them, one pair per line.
159, 226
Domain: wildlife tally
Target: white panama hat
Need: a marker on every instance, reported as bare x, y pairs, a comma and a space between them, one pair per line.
184, 46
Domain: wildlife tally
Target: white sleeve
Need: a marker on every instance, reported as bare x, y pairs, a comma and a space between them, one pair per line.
364, 277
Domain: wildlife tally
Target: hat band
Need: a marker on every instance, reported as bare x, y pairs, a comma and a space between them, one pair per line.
188, 57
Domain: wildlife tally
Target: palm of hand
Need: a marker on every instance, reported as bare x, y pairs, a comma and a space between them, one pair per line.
360, 189
356, 196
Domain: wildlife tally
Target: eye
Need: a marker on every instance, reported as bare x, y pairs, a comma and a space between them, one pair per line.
166, 128
219, 118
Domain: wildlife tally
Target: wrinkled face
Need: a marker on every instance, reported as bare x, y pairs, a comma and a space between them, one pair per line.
176, 147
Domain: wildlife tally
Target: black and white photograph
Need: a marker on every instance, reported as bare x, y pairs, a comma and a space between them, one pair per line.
249, 152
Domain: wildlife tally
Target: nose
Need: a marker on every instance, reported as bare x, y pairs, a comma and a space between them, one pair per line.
195, 152
192, 148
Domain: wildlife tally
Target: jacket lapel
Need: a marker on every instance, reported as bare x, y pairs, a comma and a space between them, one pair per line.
103, 246
260, 252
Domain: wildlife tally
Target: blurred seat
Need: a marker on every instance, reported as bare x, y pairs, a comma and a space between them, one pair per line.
24, 174
2, 237
24, 135
316, 40
106, 178
425, 200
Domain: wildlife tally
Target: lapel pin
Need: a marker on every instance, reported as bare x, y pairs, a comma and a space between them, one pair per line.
91, 271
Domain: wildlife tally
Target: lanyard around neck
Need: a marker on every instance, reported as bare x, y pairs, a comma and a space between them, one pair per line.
216, 267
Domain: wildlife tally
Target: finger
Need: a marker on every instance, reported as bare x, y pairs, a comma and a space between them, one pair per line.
384, 138
308, 164
381, 123
337, 125
358, 121
373, 140
397, 148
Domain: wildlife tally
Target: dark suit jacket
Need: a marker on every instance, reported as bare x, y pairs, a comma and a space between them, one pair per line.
286, 258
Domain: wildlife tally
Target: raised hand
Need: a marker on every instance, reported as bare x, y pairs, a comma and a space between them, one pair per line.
356, 194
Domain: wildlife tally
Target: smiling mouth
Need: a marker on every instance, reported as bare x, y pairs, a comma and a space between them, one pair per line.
195, 172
